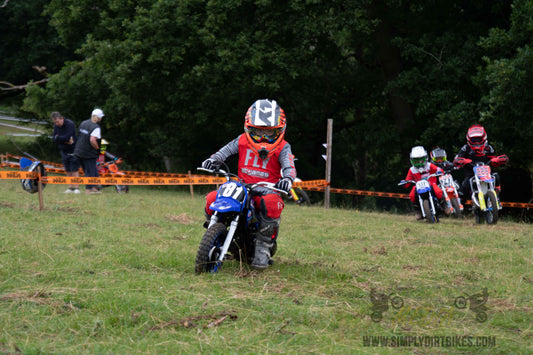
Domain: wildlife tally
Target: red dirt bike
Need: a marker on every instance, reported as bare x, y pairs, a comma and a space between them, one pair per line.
110, 166
449, 188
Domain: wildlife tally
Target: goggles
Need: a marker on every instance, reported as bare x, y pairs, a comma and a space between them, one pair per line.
418, 162
476, 140
261, 134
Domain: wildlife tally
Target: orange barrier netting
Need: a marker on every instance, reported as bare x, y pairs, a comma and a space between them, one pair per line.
404, 196
147, 178
57, 168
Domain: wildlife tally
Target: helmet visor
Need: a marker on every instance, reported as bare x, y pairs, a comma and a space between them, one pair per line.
269, 135
418, 162
476, 140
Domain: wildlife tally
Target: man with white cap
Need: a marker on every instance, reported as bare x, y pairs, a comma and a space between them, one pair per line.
88, 147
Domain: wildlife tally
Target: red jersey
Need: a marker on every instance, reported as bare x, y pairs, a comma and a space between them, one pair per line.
252, 169
415, 175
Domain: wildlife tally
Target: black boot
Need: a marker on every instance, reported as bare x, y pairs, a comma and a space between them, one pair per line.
264, 242
262, 254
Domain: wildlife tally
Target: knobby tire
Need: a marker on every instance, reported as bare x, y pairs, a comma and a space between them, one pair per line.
456, 208
491, 215
427, 211
209, 250
303, 198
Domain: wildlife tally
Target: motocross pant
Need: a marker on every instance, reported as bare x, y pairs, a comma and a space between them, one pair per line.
269, 207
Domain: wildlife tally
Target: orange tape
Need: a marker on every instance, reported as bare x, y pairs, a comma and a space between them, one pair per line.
310, 183
149, 178
114, 180
404, 196
18, 175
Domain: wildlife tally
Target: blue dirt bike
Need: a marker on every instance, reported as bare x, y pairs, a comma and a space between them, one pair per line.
429, 204
231, 229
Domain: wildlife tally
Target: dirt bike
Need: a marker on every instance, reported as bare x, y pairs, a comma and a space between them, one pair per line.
110, 166
231, 228
449, 189
429, 204
484, 198
299, 196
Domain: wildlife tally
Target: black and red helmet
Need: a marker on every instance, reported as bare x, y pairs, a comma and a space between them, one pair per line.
476, 137
264, 126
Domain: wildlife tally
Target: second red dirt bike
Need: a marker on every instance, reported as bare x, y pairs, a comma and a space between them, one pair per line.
449, 189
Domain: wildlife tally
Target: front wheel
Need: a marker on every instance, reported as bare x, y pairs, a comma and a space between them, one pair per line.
430, 217
491, 215
456, 208
209, 250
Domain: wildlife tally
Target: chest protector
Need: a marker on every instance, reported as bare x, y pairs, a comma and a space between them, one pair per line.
253, 169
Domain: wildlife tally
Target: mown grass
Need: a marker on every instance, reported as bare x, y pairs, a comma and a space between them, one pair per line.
114, 273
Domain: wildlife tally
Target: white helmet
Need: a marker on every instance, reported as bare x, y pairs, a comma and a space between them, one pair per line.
418, 157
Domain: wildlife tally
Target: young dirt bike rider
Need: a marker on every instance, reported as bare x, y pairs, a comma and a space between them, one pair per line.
263, 155
477, 150
420, 169
438, 156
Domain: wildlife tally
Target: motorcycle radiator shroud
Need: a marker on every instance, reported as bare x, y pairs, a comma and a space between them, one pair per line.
231, 197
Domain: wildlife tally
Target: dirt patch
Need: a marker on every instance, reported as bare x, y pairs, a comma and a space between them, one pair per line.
181, 219
202, 321
40, 298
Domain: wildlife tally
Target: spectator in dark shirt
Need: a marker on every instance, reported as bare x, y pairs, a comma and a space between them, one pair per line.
65, 137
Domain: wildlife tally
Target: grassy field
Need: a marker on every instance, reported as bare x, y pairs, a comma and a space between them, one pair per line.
114, 274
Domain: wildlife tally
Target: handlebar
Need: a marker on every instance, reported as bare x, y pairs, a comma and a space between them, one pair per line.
268, 185
405, 182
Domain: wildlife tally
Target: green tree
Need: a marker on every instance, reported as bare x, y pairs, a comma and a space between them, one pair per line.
506, 84
26, 41
176, 77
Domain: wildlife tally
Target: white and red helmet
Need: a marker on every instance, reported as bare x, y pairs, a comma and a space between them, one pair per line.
264, 126
476, 137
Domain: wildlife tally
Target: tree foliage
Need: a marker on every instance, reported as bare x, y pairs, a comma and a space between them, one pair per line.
27, 40
176, 77
506, 83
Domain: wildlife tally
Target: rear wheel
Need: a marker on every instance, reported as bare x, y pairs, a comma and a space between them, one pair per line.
430, 217
122, 189
491, 215
210, 248
303, 199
